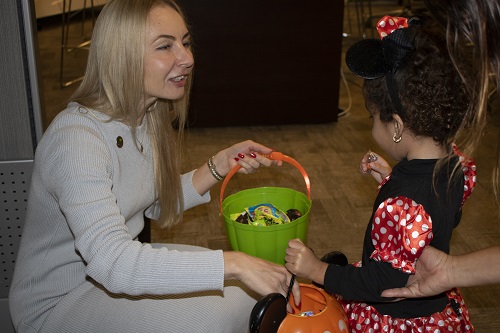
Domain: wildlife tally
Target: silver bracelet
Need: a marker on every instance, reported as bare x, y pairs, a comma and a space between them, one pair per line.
213, 170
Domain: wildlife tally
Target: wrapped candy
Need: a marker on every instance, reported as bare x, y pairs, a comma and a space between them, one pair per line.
265, 215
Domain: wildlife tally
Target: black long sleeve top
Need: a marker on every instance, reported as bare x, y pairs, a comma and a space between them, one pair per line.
441, 199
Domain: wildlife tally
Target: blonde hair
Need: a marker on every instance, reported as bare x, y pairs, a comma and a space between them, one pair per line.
114, 84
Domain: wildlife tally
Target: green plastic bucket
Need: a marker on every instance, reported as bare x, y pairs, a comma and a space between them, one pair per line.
266, 242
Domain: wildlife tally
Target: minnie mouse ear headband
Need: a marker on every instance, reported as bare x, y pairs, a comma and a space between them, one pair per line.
375, 58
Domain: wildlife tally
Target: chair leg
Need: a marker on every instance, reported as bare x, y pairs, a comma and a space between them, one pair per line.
66, 15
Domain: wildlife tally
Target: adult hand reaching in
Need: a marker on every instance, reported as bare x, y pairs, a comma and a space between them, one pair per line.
430, 278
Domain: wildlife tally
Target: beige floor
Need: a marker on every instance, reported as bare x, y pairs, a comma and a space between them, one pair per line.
330, 153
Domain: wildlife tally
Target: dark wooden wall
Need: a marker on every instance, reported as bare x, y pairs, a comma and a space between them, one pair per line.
265, 62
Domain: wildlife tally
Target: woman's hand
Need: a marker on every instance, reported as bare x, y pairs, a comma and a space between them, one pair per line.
375, 165
430, 276
301, 261
250, 155
262, 276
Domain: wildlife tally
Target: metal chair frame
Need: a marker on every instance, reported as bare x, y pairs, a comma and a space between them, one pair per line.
67, 15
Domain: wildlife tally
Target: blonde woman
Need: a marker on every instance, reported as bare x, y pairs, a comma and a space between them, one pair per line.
106, 161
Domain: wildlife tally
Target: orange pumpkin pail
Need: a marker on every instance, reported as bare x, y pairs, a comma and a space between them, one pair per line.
320, 312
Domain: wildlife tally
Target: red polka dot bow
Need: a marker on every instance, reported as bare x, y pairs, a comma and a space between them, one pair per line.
387, 24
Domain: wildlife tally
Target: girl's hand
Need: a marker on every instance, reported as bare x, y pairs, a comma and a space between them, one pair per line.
375, 165
301, 261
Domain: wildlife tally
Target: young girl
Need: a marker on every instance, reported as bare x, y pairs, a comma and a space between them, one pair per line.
417, 101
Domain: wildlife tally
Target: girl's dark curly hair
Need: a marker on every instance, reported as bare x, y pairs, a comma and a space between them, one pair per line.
433, 96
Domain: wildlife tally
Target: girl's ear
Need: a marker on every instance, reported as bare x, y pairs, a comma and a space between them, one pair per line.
398, 124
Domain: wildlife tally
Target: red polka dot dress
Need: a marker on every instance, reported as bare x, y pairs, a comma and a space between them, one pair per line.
411, 211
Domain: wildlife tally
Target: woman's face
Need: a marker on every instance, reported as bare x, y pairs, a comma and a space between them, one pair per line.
168, 59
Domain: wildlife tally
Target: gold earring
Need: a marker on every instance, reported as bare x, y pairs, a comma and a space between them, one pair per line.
395, 139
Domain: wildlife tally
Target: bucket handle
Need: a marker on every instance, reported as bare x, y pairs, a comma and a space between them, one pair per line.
273, 156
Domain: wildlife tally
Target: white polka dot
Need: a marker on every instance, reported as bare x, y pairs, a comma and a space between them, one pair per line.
413, 250
414, 234
403, 222
383, 230
382, 24
421, 243
382, 246
419, 218
377, 220
409, 226
399, 203
396, 218
441, 323
390, 224
425, 227
389, 209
